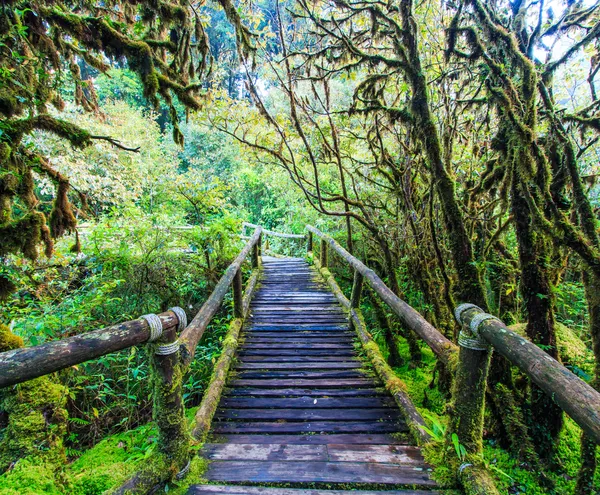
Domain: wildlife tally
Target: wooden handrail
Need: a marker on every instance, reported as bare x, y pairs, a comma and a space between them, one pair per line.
193, 333
574, 396
273, 233
21, 365
411, 318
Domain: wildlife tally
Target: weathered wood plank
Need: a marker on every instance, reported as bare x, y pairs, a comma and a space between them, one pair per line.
262, 490
299, 365
296, 352
306, 427
314, 471
287, 374
308, 392
307, 402
313, 414
389, 454
337, 438
285, 345
306, 339
302, 382
299, 359
264, 452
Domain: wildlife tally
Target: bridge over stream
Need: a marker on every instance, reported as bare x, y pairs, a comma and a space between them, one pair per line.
301, 400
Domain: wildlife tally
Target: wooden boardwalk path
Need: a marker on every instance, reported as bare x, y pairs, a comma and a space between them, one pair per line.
301, 406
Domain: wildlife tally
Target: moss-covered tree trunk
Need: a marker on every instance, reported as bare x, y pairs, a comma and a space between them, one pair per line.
546, 416
470, 288
585, 478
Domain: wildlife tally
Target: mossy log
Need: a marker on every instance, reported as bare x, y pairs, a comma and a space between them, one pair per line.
410, 318
20, 365
393, 383
574, 396
211, 397
195, 330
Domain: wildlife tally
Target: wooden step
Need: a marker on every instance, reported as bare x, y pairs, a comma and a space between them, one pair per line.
317, 472
335, 438
274, 427
263, 490
312, 414
305, 392
401, 455
307, 402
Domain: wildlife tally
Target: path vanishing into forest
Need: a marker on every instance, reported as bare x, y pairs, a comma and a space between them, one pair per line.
301, 399
300, 405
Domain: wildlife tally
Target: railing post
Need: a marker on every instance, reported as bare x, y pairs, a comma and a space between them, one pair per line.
357, 286
468, 402
238, 296
323, 254
168, 411
256, 253
309, 242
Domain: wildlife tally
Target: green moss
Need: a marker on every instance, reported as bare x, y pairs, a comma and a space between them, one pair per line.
37, 422
111, 462
8, 340
29, 476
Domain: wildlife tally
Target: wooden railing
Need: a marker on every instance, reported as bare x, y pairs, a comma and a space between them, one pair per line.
170, 360
481, 332
470, 360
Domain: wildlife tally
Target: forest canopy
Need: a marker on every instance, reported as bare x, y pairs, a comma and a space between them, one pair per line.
451, 146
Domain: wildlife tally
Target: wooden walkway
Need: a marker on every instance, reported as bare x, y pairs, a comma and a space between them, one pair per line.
301, 406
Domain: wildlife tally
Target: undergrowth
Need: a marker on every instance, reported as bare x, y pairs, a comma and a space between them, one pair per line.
98, 470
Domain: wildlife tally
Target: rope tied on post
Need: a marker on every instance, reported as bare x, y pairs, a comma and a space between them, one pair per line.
173, 347
469, 337
155, 325
181, 317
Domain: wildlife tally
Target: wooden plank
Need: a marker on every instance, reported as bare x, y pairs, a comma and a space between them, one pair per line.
302, 382
306, 427
336, 438
287, 374
299, 365
264, 452
317, 472
307, 402
306, 339
299, 359
390, 454
337, 329
300, 334
306, 392
263, 490
285, 345
312, 414
286, 308
349, 352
